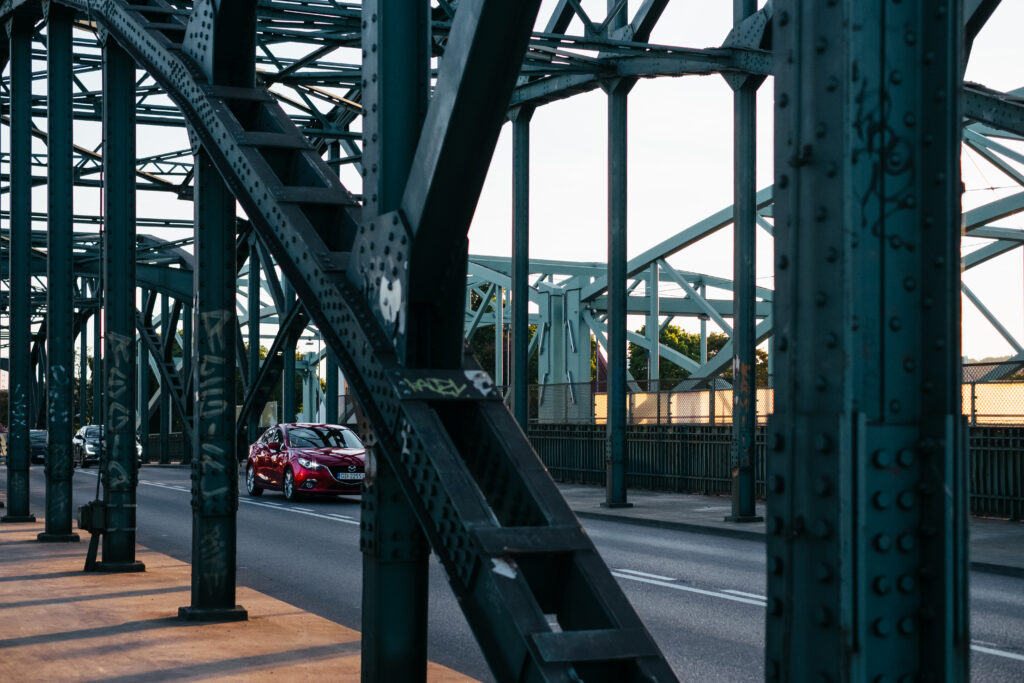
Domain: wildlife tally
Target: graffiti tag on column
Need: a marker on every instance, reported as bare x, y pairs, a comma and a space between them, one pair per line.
442, 386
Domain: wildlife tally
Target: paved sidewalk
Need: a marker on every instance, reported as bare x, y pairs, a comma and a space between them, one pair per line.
996, 545
58, 623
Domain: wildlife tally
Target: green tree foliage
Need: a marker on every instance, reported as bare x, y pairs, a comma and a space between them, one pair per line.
687, 343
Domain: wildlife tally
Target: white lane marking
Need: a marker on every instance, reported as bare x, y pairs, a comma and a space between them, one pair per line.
335, 514
649, 576
688, 589
997, 653
277, 506
746, 595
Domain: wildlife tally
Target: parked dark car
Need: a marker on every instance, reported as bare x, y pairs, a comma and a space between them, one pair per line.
303, 458
88, 442
37, 445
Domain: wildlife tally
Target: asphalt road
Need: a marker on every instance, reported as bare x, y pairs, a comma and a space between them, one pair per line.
702, 597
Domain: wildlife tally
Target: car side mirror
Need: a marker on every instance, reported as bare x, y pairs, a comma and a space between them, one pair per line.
274, 445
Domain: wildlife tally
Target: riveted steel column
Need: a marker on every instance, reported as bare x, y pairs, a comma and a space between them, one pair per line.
499, 336
142, 419
253, 304
96, 414
288, 407
119, 471
20, 30
521, 262
744, 389
164, 406
395, 570
60, 290
867, 558
83, 367
331, 399
214, 465
187, 366
616, 456
652, 328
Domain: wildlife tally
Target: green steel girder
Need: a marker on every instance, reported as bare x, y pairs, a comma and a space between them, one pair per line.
301, 196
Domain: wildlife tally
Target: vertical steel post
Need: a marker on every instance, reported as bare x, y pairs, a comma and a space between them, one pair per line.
142, 419
60, 290
521, 263
288, 407
96, 414
653, 329
253, 304
395, 569
83, 366
331, 398
867, 557
616, 456
119, 472
187, 366
20, 29
499, 336
165, 390
214, 462
744, 390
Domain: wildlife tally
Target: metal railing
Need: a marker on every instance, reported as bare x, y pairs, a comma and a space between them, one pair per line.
695, 459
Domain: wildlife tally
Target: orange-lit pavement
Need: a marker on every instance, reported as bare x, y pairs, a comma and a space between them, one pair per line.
58, 623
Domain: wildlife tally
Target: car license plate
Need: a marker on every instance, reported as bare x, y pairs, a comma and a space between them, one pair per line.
352, 475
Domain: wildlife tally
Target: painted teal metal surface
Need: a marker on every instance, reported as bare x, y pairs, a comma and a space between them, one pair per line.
118, 461
867, 558
60, 297
21, 28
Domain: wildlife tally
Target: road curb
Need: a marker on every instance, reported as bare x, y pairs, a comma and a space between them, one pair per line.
983, 567
677, 526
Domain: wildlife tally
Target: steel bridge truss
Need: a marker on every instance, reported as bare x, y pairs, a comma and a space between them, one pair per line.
382, 275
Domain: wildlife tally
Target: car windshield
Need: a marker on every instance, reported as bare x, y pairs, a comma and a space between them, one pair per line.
37, 435
322, 437
93, 432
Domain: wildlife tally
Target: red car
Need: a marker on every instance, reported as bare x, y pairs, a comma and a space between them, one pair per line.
306, 458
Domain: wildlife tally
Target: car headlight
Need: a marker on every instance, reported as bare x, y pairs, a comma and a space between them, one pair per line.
91, 449
310, 464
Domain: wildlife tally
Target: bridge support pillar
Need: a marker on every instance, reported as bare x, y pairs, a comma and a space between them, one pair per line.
866, 551
214, 465
118, 467
165, 390
744, 380
60, 293
521, 263
253, 304
616, 459
395, 568
20, 28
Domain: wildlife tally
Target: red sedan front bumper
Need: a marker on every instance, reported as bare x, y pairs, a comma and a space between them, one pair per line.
337, 479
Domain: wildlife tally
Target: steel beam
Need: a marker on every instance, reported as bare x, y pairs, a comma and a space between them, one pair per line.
521, 117
253, 304
616, 463
60, 291
119, 471
214, 462
20, 28
744, 381
395, 569
166, 417
867, 554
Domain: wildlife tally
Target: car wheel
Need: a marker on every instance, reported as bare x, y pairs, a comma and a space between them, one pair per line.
250, 482
289, 485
